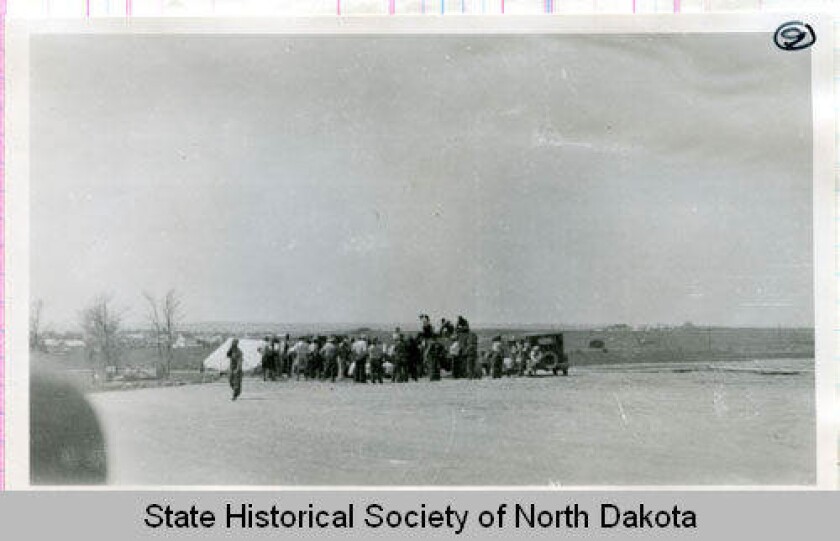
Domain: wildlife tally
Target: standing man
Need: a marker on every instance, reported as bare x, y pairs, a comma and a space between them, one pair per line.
536, 359
360, 356
313, 361
414, 358
235, 356
435, 352
400, 358
473, 370
276, 359
523, 354
301, 351
329, 353
426, 337
497, 358
514, 354
285, 361
344, 354
266, 358
455, 355
376, 354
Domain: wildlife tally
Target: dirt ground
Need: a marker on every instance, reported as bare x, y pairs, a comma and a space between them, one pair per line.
663, 425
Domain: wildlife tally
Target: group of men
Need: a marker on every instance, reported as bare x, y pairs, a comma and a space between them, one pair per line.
453, 347
333, 357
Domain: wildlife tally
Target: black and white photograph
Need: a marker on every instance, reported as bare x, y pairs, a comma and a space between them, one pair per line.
408, 259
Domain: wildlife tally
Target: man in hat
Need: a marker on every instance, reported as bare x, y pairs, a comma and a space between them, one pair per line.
497, 358
329, 353
435, 353
360, 357
284, 362
276, 361
473, 369
447, 329
236, 368
428, 331
535, 359
462, 326
312, 361
523, 353
376, 354
461, 362
301, 351
344, 354
456, 359
414, 358
266, 358
400, 358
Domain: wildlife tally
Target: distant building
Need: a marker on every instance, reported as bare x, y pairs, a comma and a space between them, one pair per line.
185, 342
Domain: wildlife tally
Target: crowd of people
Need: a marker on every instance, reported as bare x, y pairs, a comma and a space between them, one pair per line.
453, 347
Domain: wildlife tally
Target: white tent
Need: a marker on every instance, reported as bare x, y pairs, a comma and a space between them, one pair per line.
251, 355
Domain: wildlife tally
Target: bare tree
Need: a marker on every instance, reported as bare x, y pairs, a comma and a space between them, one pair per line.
171, 319
155, 322
36, 340
164, 318
101, 323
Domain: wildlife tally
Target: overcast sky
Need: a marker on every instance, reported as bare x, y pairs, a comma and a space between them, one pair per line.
512, 180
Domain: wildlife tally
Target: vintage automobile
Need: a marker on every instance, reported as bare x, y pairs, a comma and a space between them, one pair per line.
550, 357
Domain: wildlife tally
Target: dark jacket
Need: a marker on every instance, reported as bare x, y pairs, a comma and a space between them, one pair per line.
235, 356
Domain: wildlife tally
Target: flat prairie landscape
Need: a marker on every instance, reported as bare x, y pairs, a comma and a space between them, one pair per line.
715, 423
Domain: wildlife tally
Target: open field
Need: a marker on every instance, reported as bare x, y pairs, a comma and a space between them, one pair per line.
77, 359
713, 423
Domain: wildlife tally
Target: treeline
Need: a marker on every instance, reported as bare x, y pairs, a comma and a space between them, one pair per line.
102, 326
